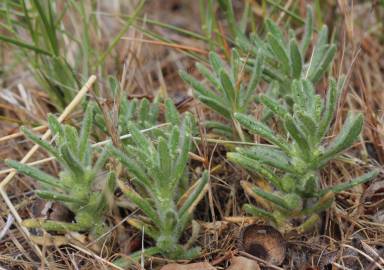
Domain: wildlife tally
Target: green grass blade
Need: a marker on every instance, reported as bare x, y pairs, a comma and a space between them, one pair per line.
23, 44
128, 24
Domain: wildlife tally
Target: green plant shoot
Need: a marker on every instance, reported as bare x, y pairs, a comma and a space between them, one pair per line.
158, 172
291, 163
75, 185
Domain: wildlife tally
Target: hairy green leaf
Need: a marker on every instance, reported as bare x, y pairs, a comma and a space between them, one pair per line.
258, 212
254, 166
329, 111
280, 53
269, 156
348, 134
298, 136
35, 173
217, 106
261, 129
296, 59
357, 181
277, 200
308, 31
228, 86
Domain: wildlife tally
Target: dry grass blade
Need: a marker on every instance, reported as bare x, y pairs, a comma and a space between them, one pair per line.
170, 45
19, 134
365, 255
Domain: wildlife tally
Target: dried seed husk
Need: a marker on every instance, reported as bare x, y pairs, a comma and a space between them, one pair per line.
263, 241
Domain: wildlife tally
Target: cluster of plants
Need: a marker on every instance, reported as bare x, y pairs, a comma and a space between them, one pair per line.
156, 165
152, 169
297, 148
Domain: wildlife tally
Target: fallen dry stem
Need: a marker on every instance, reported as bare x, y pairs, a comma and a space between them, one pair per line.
171, 45
19, 134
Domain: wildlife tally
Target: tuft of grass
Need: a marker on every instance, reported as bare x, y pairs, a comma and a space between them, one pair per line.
44, 50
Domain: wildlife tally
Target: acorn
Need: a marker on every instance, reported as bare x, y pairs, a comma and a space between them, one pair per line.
264, 242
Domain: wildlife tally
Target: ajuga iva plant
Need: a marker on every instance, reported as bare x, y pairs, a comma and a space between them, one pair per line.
291, 163
146, 114
74, 187
143, 112
228, 94
285, 57
157, 171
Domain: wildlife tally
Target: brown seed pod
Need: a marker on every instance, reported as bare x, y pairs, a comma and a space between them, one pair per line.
264, 242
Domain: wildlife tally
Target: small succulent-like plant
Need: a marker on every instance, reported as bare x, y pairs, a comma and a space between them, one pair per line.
74, 187
291, 164
230, 94
143, 112
273, 58
285, 58
146, 114
158, 172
